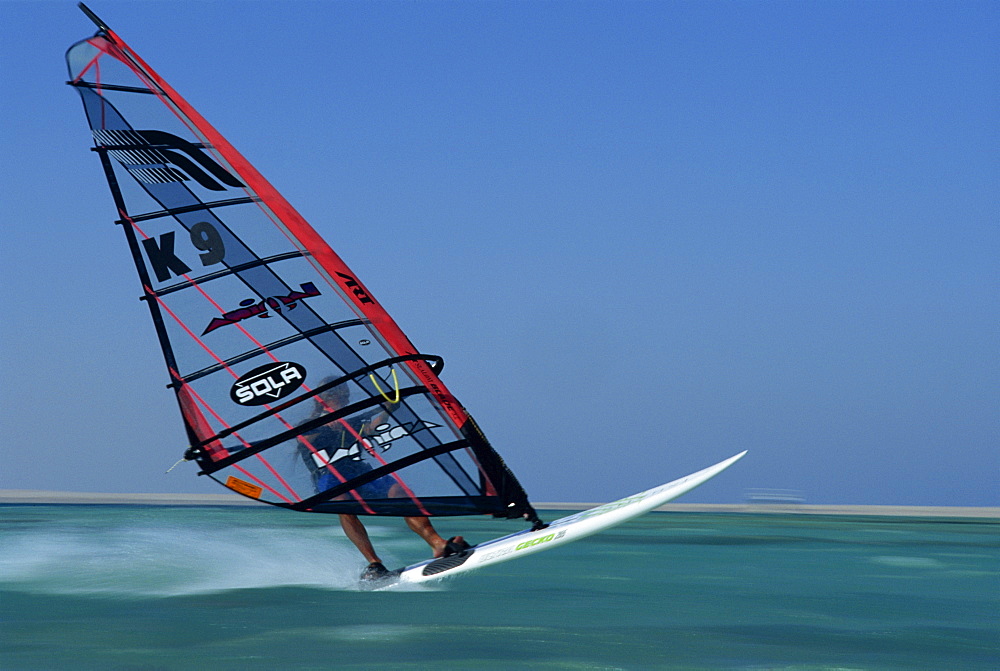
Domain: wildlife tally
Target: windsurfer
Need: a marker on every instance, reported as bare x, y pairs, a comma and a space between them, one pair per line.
347, 463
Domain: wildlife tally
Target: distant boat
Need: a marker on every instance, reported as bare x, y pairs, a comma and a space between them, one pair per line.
774, 496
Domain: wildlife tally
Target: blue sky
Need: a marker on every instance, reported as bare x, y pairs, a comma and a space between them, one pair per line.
644, 236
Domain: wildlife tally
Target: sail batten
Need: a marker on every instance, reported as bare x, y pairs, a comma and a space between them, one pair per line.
272, 346
189, 208
295, 386
112, 87
229, 271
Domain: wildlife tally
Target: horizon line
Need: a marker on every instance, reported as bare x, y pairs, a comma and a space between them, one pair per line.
58, 497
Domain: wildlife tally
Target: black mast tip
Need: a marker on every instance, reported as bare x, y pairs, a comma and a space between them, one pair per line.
93, 17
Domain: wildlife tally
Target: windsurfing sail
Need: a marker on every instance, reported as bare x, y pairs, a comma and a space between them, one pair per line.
295, 386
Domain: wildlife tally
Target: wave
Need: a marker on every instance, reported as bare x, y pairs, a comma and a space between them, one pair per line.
173, 560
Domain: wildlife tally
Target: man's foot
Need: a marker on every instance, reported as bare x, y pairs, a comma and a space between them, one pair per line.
455, 545
375, 571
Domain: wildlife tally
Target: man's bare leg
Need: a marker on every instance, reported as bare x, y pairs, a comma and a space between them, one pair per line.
423, 528
358, 535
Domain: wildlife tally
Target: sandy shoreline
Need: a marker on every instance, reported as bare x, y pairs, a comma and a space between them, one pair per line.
41, 497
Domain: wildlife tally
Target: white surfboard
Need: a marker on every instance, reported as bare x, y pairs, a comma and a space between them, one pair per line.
564, 530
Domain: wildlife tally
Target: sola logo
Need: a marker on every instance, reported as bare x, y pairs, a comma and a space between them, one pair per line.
268, 383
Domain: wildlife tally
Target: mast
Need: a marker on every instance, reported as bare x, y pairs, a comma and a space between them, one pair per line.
93, 17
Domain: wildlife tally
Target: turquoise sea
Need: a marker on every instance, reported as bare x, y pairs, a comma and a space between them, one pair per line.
136, 587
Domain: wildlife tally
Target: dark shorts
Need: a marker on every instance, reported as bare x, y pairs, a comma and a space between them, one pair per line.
352, 468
